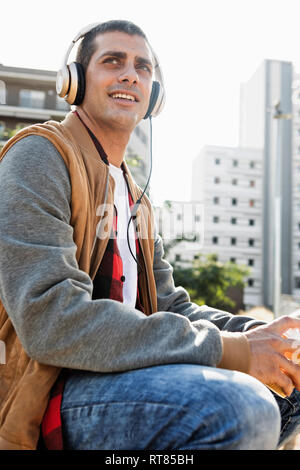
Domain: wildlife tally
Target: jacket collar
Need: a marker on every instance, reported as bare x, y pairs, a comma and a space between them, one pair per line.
81, 137
84, 141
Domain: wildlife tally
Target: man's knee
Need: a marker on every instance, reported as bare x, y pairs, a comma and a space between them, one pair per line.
259, 416
243, 412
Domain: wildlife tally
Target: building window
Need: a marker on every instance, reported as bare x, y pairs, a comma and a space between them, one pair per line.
298, 245
251, 222
251, 202
298, 264
32, 99
177, 257
234, 182
217, 180
216, 219
233, 241
251, 184
179, 217
251, 242
2, 92
197, 218
196, 256
233, 220
252, 164
235, 163
250, 282
234, 201
217, 161
232, 260
215, 240
250, 262
216, 200
298, 226
297, 282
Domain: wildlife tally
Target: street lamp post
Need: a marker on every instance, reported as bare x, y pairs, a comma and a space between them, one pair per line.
279, 115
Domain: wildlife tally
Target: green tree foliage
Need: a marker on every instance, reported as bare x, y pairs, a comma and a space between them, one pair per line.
133, 160
208, 281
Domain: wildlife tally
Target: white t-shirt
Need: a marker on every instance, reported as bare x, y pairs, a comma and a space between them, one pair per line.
123, 210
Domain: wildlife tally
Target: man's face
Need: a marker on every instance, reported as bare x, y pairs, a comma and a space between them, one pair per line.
118, 80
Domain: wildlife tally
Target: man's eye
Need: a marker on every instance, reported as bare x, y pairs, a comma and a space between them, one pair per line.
111, 60
145, 68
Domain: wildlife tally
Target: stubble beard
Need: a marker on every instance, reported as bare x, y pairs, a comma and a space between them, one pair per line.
119, 121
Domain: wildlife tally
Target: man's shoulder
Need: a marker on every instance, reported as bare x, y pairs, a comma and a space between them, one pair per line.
32, 155
33, 146
32, 142
36, 135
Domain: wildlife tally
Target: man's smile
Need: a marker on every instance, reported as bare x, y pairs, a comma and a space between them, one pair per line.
124, 96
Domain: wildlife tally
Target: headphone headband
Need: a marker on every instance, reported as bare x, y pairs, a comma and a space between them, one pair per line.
70, 81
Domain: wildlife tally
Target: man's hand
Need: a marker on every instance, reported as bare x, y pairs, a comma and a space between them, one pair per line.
269, 353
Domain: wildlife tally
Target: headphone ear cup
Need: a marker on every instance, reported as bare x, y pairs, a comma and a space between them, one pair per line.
153, 98
81, 84
77, 84
63, 81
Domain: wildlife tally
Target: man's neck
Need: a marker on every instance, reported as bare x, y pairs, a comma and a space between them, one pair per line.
114, 143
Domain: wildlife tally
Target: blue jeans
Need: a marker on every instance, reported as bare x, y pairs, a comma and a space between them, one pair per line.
177, 406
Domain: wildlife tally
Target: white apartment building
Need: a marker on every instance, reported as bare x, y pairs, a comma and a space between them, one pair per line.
239, 186
229, 183
262, 163
181, 225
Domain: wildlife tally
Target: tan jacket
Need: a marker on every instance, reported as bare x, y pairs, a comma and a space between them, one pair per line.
26, 384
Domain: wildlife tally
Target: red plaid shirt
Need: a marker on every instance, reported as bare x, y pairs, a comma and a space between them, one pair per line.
108, 284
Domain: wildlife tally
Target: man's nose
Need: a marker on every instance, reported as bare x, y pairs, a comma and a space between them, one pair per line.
129, 74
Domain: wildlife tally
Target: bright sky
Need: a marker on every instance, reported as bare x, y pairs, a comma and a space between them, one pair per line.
206, 49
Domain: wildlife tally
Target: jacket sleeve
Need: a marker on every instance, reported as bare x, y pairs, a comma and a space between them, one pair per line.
176, 299
49, 298
235, 347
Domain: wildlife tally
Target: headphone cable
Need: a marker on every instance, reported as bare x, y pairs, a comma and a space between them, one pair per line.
136, 205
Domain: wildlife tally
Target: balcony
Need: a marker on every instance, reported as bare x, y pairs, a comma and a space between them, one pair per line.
30, 113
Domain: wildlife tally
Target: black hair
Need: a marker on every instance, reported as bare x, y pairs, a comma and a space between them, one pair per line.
87, 46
